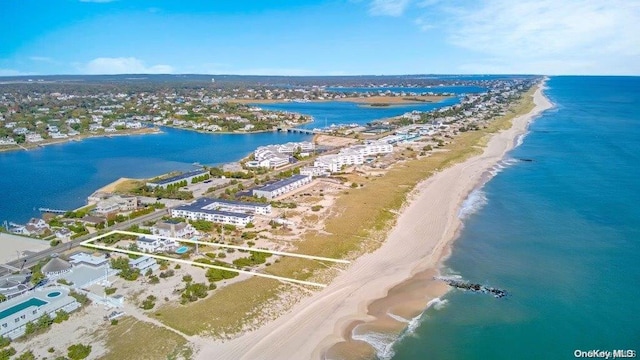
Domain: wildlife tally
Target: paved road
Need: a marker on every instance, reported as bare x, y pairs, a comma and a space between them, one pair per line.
34, 258
31, 260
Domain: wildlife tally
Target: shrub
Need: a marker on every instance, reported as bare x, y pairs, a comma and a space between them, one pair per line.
78, 351
318, 207
166, 274
26, 356
110, 290
7, 353
61, 316
81, 298
147, 304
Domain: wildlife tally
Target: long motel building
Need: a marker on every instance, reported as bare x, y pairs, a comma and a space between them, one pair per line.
353, 155
203, 209
281, 187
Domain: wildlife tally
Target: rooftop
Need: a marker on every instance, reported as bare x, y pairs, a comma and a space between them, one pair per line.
238, 203
282, 183
180, 177
201, 204
86, 258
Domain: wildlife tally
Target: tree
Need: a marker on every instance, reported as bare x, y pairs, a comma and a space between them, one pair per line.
4, 342
37, 277
78, 351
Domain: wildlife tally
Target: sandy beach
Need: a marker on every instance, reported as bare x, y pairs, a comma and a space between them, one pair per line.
416, 246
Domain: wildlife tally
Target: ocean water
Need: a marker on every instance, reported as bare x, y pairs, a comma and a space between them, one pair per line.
62, 176
560, 233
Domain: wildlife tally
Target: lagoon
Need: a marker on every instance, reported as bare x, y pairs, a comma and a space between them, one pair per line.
61, 176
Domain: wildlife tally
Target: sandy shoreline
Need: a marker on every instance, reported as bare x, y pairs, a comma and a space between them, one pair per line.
420, 240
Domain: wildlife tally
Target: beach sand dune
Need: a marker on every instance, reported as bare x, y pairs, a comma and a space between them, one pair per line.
418, 242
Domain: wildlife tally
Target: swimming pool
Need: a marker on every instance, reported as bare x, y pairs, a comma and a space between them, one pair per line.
21, 306
54, 294
182, 250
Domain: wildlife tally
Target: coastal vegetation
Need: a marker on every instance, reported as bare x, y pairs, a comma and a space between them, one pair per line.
78, 351
133, 338
364, 218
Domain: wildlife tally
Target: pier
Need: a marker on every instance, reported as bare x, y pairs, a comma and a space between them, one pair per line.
298, 131
52, 211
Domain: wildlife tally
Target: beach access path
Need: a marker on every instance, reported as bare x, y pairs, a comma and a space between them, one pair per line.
425, 228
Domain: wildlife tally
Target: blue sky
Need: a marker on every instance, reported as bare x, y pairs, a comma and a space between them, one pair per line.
336, 37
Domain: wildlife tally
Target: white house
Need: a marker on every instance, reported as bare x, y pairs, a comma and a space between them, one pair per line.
144, 263
63, 234
153, 245
32, 138
334, 163
7, 141
314, 171
174, 229
116, 204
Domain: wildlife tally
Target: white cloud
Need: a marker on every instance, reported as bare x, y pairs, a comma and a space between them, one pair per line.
423, 24
545, 36
122, 65
45, 59
388, 7
13, 72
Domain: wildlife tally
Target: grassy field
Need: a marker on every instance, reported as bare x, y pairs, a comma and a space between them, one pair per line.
133, 339
226, 312
127, 186
363, 217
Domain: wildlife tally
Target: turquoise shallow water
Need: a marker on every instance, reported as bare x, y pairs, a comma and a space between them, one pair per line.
561, 234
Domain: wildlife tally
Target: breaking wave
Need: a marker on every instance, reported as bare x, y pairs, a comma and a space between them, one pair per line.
381, 343
437, 303
474, 202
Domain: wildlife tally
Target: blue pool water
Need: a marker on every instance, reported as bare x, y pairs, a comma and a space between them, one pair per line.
53, 294
21, 306
182, 250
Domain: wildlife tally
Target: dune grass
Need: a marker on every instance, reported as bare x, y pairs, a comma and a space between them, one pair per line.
134, 339
362, 216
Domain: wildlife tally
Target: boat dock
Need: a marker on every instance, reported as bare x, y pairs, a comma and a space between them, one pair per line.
52, 211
